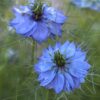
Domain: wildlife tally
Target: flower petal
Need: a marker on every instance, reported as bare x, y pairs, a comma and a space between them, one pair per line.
80, 65
16, 11
64, 47
18, 15
82, 4
54, 15
70, 50
67, 86
79, 69
25, 24
55, 28
79, 56
77, 82
41, 33
25, 10
57, 83
51, 51
21, 10
57, 46
31, 1
43, 66
47, 77
70, 80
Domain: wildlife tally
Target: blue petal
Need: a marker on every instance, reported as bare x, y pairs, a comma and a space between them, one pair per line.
43, 66
70, 80
79, 56
54, 15
45, 53
95, 6
46, 56
78, 73
58, 83
16, 11
82, 80
77, 83
64, 47
67, 86
51, 51
47, 77
21, 10
57, 46
70, 50
18, 16
31, 32
55, 28
80, 65
25, 24
41, 33
25, 10
31, 1
46, 59
82, 4
79, 69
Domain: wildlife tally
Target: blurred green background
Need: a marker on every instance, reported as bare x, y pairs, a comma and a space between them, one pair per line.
18, 81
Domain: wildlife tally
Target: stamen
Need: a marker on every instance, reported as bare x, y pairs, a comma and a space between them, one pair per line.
59, 59
37, 10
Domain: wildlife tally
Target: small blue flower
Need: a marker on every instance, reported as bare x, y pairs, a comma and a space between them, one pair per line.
92, 4
62, 67
38, 21
82, 3
96, 6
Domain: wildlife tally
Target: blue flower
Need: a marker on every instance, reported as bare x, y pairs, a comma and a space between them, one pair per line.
62, 67
96, 6
38, 21
92, 4
82, 3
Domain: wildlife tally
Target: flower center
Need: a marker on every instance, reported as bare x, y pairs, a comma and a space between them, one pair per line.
37, 11
59, 59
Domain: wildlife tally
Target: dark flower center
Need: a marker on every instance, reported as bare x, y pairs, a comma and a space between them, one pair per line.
37, 11
59, 59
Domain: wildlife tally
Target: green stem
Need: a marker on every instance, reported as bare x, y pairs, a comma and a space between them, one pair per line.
33, 52
47, 95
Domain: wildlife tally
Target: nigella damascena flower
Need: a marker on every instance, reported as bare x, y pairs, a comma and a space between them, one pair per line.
95, 5
62, 67
38, 21
92, 4
81, 3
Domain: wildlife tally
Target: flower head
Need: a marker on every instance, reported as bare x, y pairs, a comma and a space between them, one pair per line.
62, 67
92, 4
38, 21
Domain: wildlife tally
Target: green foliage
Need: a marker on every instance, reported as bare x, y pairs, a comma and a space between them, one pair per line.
18, 81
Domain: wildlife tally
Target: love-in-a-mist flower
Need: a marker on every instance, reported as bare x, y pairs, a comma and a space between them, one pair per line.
95, 5
82, 3
62, 67
38, 21
92, 4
